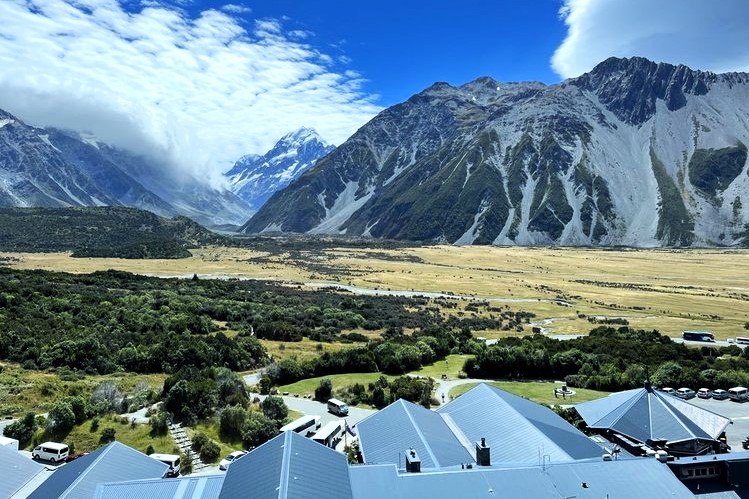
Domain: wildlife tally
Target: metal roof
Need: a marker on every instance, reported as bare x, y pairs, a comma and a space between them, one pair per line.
289, 466
643, 414
113, 462
643, 478
516, 429
17, 470
191, 487
387, 434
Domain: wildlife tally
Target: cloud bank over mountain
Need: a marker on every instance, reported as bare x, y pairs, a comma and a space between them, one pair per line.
702, 34
194, 91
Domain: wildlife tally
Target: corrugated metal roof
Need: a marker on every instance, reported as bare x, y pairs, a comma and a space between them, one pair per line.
644, 414
289, 466
16, 469
191, 487
623, 479
516, 429
113, 462
387, 434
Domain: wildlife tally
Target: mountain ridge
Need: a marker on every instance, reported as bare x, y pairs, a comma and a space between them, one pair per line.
632, 153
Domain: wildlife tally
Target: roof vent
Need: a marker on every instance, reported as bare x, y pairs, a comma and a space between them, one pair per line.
483, 453
413, 463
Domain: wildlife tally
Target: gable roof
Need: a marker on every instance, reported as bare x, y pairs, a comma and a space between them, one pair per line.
113, 462
289, 466
517, 430
387, 434
590, 479
17, 471
644, 414
191, 487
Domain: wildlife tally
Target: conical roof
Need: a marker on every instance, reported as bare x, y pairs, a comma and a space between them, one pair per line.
645, 414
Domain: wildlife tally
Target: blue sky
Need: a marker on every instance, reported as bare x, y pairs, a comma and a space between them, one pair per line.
197, 84
403, 46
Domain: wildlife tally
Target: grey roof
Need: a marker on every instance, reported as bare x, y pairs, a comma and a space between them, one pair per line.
387, 434
113, 462
643, 478
516, 429
288, 466
17, 471
192, 487
644, 414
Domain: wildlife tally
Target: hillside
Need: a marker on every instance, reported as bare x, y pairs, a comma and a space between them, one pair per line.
633, 153
100, 232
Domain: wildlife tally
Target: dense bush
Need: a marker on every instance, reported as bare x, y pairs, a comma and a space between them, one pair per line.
274, 408
22, 430
210, 452
324, 390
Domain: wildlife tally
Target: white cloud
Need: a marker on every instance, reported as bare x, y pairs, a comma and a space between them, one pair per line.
197, 92
703, 34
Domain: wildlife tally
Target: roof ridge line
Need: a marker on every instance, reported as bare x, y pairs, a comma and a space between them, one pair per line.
421, 435
677, 414
457, 432
85, 470
629, 405
284, 475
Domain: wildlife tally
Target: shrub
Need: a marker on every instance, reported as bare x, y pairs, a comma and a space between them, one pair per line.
150, 450
159, 424
107, 435
199, 441
210, 452
258, 429
231, 421
95, 424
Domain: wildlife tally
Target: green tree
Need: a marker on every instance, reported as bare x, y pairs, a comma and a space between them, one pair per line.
22, 430
61, 418
231, 422
324, 390
210, 452
258, 429
668, 374
274, 408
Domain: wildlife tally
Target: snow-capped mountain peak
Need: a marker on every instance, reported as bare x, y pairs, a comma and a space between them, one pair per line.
255, 178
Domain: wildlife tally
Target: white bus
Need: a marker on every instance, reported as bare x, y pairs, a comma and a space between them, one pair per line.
330, 434
337, 407
738, 394
306, 425
744, 340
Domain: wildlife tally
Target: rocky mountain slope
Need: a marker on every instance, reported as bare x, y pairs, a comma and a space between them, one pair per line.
633, 153
256, 178
53, 168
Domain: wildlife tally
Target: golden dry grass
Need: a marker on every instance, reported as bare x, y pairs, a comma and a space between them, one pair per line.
668, 290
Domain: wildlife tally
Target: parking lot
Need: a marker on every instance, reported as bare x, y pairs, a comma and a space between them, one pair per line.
738, 412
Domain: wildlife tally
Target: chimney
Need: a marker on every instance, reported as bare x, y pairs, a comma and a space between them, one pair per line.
483, 453
413, 463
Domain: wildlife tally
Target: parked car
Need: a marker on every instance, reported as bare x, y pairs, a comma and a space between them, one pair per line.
668, 390
685, 393
704, 393
225, 462
720, 394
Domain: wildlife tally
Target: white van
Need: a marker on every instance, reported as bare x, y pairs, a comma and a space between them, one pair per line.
50, 451
337, 407
170, 459
738, 394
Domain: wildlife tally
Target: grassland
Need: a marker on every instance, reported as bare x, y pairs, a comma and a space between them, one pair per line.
668, 290
451, 366
537, 391
22, 390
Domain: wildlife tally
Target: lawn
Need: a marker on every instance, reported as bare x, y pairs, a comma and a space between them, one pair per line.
537, 391
450, 366
301, 350
307, 386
